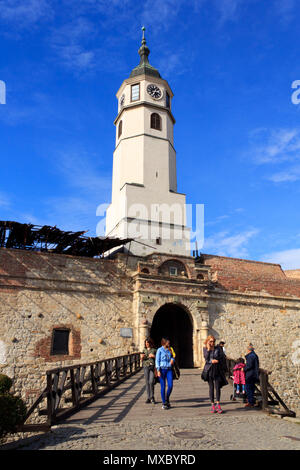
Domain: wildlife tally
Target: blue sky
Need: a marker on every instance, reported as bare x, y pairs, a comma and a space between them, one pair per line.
230, 64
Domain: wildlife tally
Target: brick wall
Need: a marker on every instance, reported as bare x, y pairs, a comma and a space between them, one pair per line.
234, 274
293, 273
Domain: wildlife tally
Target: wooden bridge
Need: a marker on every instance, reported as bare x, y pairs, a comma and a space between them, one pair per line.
113, 390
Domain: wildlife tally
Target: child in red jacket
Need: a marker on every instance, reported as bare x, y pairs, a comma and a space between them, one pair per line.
239, 376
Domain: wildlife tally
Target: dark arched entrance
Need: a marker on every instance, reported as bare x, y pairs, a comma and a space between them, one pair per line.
174, 322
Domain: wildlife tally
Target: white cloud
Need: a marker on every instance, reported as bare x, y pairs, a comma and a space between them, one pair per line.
159, 15
69, 42
74, 56
27, 218
71, 213
228, 9
24, 12
78, 212
275, 145
217, 220
5, 202
80, 171
279, 148
286, 10
220, 218
288, 259
226, 244
285, 176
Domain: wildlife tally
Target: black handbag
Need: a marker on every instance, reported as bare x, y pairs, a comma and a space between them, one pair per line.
204, 375
176, 372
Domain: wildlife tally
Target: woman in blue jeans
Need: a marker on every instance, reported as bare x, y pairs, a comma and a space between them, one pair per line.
164, 362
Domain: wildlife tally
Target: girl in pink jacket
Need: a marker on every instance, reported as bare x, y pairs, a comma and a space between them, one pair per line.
239, 376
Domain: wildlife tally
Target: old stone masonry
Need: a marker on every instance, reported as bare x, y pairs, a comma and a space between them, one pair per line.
95, 300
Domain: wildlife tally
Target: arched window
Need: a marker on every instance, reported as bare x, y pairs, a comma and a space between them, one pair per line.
120, 129
172, 268
155, 121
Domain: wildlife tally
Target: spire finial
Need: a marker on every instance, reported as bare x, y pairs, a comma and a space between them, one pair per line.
144, 67
144, 50
143, 38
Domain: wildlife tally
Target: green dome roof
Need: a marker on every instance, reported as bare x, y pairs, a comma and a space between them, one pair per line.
144, 68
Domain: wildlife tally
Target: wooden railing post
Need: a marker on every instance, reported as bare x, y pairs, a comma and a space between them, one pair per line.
130, 364
73, 388
263, 379
135, 363
118, 369
93, 381
49, 399
125, 365
107, 381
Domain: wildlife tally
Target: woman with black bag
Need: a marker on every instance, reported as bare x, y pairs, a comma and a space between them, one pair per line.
213, 372
164, 362
148, 359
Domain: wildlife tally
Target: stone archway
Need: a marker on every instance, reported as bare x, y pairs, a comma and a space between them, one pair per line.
173, 321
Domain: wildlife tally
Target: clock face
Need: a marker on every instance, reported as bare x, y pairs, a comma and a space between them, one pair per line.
154, 91
122, 99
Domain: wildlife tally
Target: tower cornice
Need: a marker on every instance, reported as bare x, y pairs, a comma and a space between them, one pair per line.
146, 104
145, 135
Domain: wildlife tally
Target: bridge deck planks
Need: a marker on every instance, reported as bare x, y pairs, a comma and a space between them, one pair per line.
127, 401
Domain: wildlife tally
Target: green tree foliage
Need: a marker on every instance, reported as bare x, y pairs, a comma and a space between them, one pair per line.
5, 384
12, 408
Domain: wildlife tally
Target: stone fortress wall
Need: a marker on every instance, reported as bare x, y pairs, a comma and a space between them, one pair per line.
237, 300
256, 302
40, 292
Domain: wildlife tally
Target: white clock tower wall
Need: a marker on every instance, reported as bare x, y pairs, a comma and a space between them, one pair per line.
144, 165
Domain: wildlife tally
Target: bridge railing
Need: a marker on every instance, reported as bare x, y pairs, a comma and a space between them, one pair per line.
266, 396
78, 385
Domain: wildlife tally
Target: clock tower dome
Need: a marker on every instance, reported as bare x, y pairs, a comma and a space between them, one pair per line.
145, 203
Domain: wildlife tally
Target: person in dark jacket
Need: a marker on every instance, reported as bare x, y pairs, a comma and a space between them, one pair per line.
213, 372
223, 362
251, 374
148, 359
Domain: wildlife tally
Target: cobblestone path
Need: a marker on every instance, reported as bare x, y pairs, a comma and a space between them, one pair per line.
122, 420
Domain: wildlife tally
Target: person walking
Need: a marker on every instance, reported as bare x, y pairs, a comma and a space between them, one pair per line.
223, 362
213, 372
251, 370
164, 361
222, 345
148, 359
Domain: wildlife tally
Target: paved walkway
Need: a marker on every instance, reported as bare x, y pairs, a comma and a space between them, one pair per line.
122, 420
127, 402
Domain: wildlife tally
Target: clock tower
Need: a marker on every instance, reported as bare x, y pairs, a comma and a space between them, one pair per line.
145, 203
